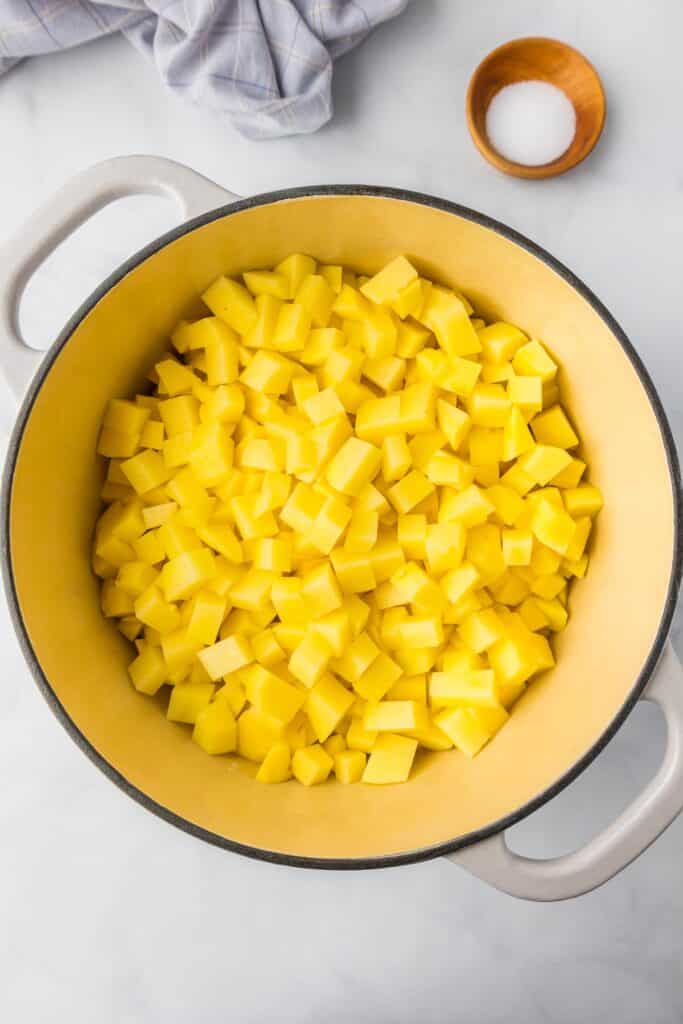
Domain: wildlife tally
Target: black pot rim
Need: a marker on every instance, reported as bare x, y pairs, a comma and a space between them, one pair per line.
441, 848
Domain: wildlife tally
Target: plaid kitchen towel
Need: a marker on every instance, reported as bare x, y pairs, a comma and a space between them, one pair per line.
265, 63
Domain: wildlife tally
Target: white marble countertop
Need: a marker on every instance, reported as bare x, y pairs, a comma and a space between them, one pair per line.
110, 915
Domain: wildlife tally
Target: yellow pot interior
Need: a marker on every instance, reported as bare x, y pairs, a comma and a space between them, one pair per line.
616, 610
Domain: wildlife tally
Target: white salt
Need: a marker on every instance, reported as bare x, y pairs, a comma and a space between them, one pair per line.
530, 123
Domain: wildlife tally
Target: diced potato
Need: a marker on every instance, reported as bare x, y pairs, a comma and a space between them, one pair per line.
391, 760
320, 436
311, 765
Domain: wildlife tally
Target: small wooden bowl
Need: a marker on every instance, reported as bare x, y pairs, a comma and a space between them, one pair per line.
544, 60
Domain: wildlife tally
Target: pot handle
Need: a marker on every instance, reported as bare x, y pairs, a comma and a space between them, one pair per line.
634, 830
70, 207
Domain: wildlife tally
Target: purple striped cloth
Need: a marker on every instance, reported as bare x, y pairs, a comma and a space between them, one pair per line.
267, 64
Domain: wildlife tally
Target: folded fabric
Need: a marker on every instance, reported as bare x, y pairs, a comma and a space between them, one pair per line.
267, 64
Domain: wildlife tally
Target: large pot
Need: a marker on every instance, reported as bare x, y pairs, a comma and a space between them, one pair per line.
613, 654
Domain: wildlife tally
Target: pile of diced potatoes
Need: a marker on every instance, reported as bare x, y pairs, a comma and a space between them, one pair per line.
344, 525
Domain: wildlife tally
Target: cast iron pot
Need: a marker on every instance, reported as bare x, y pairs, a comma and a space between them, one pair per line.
613, 654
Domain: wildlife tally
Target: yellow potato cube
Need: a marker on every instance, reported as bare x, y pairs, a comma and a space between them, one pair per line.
124, 417
357, 658
386, 372
233, 694
250, 524
150, 548
183, 576
517, 546
373, 684
272, 554
454, 422
349, 766
288, 600
485, 446
386, 285
517, 437
295, 269
463, 688
335, 744
410, 300
311, 765
410, 491
500, 341
326, 704
333, 274
489, 405
270, 694
391, 760
317, 297
334, 630
548, 587
188, 700
578, 542
409, 688
292, 327
319, 345
252, 591
396, 459
175, 378
309, 660
553, 428
461, 376
544, 462
275, 766
329, 525
151, 609
412, 535
269, 373
148, 671
459, 582
114, 444
266, 648
215, 729
152, 435
134, 577
208, 612
230, 301
396, 716
361, 535
320, 591
420, 631
526, 393
323, 406
226, 404
353, 570
517, 479
447, 316
354, 465
262, 335
532, 360
469, 507
257, 734
358, 738
267, 282
553, 527
585, 500
481, 629
570, 475
471, 728
444, 546
417, 407
226, 656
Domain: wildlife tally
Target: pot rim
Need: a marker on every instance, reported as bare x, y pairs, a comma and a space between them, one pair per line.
437, 849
